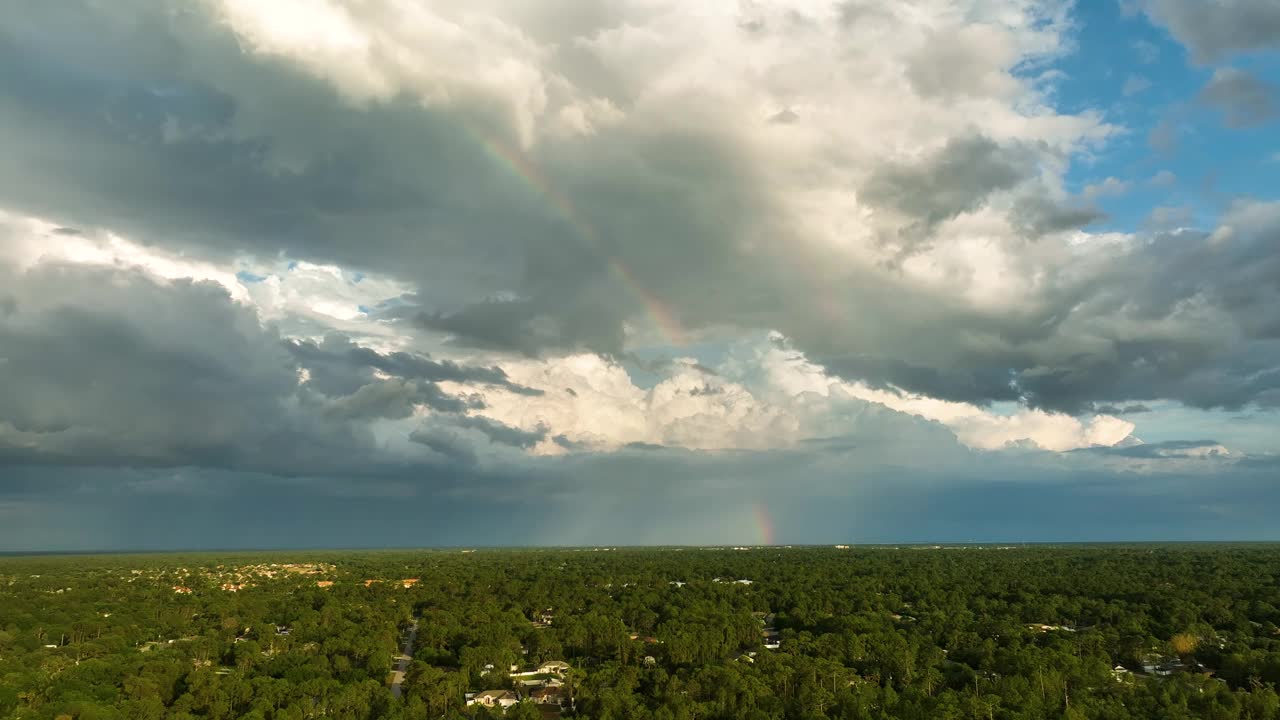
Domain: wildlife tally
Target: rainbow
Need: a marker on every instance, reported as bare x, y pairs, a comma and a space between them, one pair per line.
764, 524
519, 167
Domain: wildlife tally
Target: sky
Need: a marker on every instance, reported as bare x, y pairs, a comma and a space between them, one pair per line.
340, 273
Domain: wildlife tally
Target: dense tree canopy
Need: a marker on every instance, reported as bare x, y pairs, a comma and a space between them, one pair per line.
1028, 632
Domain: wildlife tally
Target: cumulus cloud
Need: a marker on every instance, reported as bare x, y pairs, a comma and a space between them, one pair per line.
764, 396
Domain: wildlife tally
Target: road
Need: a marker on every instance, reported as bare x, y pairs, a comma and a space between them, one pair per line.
402, 662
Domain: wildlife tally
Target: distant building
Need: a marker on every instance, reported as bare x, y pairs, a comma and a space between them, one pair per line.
182, 589
324, 583
409, 582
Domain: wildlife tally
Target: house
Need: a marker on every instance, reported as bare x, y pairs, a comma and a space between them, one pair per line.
494, 698
182, 589
409, 582
550, 696
1049, 628
233, 587
554, 667
772, 639
1121, 673
1160, 666
324, 583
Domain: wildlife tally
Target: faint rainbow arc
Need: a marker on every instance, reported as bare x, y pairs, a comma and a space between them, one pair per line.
519, 166
764, 524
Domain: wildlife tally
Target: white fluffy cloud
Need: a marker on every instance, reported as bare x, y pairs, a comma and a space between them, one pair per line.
762, 397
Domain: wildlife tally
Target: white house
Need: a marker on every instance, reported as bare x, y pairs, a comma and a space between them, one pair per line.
554, 667
494, 698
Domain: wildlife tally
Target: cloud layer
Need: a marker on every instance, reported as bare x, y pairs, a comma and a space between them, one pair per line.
430, 249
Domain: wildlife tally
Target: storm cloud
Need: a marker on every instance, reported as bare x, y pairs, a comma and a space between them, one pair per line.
525, 253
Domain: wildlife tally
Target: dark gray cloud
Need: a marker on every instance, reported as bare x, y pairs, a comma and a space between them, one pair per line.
974, 385
1039, 215
955, 179
396, 400
111, 367
338, 366
448, 444
1244, 100
1169, 450
1212, 29
503, 433
1121, 410
531, 327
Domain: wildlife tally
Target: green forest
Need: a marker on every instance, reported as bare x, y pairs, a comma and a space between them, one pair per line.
1098, 632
